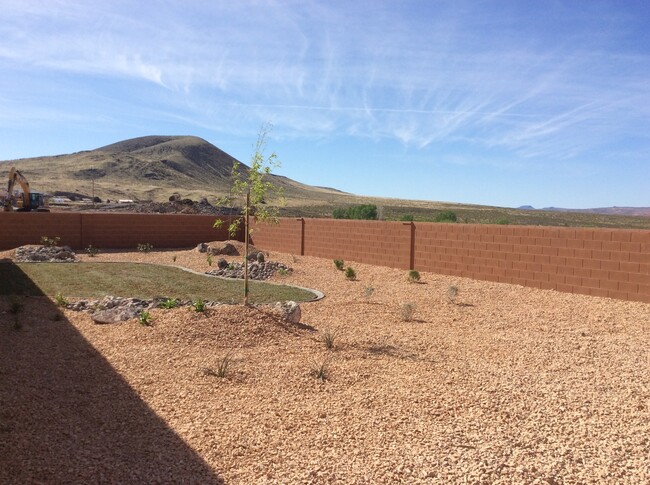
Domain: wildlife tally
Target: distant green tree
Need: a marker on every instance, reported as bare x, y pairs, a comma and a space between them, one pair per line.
407, 218
366, 212
446, 216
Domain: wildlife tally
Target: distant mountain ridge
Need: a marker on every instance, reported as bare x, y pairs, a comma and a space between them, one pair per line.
619, 211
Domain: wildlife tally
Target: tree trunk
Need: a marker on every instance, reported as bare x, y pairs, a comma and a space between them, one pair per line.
246, 231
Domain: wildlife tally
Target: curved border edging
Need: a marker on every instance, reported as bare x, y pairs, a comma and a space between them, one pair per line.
319, 294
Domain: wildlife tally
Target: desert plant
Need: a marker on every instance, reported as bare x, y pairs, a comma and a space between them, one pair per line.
407, 311
230, 266
209, 259
198, 305
329, 339
407, 218
60, 300
368, 291
340, 265
350, 273
50, 241
145, 318
503, 221
145, 247
169, 303
452, 293
413, 276
283, 272
446, 216
320, 370
92, 251
15, 306
223, 366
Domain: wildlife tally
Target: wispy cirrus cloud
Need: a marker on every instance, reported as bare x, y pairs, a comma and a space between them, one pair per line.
530, 83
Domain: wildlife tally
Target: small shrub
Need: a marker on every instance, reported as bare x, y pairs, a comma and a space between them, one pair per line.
169, 303
502, 221
198, 305
145, 247
446, 216
407, 218
407, 311
92, 251
414, 276
50, 242
452, 293
329, 339
145, 318
174, 258
209, 259
60, 300
340, 265
350, 273
283, 272
320, 370
231, 266
368, 291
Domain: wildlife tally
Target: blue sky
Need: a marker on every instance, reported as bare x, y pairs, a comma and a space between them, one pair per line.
490, 102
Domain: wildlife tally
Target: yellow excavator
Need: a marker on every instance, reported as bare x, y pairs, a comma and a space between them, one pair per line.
29, 201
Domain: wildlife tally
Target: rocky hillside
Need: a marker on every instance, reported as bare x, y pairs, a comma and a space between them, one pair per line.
147, 168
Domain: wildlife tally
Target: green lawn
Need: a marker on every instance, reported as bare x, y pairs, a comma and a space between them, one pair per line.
96, 280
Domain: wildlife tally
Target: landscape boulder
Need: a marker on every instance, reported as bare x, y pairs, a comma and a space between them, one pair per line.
114, 315
224, 247
290, 311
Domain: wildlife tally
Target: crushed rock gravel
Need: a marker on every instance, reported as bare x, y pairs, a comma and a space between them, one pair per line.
507, 385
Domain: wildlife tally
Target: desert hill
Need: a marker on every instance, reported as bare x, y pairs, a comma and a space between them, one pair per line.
148, 168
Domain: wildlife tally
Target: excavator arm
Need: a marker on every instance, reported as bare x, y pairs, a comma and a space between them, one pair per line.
15, 177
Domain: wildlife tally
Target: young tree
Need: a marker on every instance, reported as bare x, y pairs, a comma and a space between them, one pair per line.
253, 186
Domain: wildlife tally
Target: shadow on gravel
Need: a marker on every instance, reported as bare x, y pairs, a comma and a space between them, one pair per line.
66, 416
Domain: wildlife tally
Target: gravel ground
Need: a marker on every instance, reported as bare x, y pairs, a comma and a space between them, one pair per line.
505, 385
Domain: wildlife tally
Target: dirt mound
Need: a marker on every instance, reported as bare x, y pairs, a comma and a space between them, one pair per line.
224, 326
184, 206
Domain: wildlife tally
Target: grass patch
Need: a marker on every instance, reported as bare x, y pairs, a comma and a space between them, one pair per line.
96, 280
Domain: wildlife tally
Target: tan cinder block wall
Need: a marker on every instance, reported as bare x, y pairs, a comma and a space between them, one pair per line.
602, 262
284, 237
613, 263
102, 230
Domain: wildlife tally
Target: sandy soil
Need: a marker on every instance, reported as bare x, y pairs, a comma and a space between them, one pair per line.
506, 385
